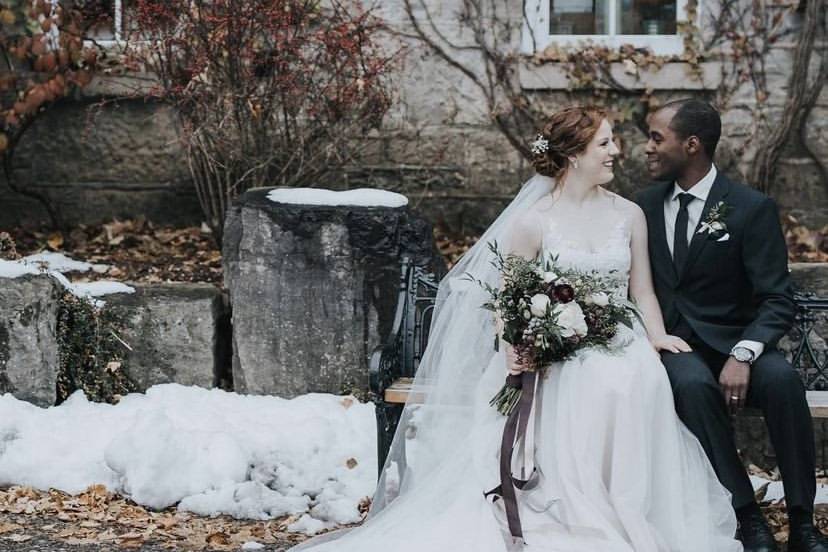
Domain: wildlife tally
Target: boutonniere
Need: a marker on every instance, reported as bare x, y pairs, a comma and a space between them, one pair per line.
714, 226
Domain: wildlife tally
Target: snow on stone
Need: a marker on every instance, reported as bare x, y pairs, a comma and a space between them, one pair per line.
100, 288
360, 197
15, 269
211, 452
55, 264
92, 290
48, 260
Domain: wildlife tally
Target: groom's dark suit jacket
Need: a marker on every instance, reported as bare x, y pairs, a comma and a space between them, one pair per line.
729, 290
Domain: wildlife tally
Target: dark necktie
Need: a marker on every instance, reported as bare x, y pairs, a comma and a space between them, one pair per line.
680, 237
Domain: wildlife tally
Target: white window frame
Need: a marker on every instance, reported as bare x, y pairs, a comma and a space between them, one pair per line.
119, 20
536, 18
117, 38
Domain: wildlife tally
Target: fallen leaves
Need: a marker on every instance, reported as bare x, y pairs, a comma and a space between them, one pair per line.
805, 244
9, 527
55, 241
138, 251
97, 516
8, 247
452, 247
135, 250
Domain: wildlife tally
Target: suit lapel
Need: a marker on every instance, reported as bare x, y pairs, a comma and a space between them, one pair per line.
661, 247
719, 190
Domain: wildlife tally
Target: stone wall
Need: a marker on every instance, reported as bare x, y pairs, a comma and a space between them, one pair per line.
438, 144
171, 333
102, 162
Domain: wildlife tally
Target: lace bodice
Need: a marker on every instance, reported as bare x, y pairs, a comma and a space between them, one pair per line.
612, 258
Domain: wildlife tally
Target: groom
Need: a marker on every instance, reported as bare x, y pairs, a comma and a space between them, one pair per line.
720, 270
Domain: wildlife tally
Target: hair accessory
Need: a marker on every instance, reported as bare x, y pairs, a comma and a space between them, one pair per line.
540, 145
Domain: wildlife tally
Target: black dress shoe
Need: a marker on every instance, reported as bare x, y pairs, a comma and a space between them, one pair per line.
755, 534
806, 538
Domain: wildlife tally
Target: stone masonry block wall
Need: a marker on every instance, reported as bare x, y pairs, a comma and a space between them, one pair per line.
121, 160
437, 144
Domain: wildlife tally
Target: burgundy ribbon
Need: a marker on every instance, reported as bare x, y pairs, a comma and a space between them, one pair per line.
514, 431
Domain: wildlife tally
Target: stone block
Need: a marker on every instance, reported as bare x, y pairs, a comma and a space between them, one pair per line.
28, 338
811, 277
179, 333
313, 290
98, 163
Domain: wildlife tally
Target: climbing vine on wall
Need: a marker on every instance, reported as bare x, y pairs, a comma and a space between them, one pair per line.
92, 352
740, 35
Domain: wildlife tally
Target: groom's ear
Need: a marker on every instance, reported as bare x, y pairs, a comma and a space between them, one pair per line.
693, 145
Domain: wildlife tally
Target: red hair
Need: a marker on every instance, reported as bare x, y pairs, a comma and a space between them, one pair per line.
568, 132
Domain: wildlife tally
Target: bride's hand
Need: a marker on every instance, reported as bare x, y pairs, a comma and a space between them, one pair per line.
670, 343
513, 362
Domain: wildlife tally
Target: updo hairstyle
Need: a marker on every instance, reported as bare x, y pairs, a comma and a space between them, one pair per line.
567, 133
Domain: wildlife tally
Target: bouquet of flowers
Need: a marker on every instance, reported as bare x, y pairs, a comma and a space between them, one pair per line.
548, 313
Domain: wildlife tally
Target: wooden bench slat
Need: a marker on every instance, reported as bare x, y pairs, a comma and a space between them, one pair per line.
818, 403
398, 392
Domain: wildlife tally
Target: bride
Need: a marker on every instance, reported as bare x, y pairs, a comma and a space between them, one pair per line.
614, 468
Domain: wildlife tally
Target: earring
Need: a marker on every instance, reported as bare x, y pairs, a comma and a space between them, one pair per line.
574, 163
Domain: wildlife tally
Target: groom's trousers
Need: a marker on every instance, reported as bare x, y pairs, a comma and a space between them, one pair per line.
776, 389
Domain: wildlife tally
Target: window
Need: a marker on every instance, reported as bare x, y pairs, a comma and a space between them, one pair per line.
642, 23
107, 20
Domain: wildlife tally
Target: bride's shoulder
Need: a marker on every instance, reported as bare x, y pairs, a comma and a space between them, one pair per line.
528, 225
629, 211
531, 219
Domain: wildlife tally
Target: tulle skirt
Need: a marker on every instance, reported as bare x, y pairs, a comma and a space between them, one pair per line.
617, 472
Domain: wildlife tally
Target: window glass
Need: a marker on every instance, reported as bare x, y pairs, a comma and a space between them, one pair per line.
578, 17
647, 17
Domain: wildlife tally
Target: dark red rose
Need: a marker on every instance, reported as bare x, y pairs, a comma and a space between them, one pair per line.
564, 293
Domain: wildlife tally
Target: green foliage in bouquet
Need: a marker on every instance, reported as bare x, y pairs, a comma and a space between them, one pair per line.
548, 313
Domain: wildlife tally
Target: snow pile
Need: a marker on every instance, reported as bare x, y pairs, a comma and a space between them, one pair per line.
360, 197
55, 264
775, 492
210, 451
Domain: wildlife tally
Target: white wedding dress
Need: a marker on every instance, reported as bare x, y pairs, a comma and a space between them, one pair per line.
618, 471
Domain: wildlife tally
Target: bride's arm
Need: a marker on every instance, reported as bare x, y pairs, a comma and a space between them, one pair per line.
642, 291
525, 241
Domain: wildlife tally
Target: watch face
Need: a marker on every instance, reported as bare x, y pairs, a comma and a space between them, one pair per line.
742, 355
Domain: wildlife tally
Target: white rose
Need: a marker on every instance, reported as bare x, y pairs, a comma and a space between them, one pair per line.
540, 304
546, 275
601, 299
570, 319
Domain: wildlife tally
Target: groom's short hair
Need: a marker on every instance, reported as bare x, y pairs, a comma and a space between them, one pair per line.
696, 118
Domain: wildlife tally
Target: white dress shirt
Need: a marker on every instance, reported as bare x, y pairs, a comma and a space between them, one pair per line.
700, 190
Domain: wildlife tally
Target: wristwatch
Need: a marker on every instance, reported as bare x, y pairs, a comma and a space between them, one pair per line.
742, 354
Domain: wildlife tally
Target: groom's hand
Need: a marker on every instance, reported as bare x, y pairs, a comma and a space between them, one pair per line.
734, 380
